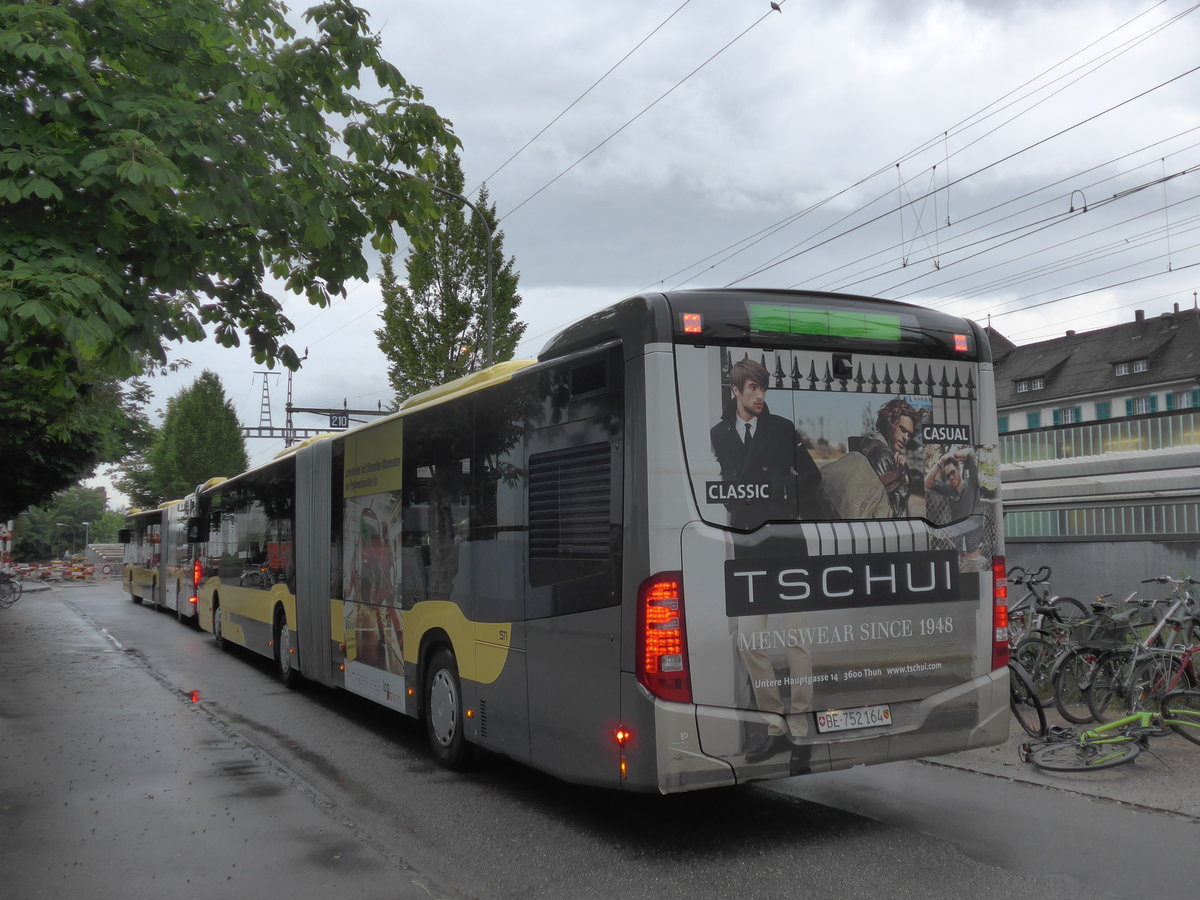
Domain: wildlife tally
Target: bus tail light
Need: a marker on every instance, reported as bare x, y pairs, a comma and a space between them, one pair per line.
197, 575
662, 662
1000, 653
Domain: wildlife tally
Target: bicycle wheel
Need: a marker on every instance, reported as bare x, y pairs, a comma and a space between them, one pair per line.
1069, 609
1155, 677
1023, 699
1110, 685
1077, 756
1072, 676
8, 593
1181, 710
1037, 656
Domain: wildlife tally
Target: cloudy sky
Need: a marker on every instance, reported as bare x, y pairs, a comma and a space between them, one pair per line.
1031, 164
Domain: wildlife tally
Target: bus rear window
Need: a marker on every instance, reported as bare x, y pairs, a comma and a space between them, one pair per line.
775, 434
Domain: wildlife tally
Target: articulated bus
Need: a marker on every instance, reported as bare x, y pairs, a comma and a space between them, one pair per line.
706, 537
142, 537
157, 557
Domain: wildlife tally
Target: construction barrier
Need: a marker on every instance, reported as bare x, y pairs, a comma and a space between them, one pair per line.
77, 569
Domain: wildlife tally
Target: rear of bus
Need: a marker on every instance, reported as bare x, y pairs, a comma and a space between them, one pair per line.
838, 592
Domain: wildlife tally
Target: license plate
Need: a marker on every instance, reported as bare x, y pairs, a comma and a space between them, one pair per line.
857, 717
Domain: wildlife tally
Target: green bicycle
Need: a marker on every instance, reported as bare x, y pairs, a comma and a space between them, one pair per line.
1120, 741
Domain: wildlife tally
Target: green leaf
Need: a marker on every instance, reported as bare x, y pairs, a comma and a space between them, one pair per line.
32, 309
45, 189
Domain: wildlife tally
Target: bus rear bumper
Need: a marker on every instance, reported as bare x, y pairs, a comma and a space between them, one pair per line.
972, 714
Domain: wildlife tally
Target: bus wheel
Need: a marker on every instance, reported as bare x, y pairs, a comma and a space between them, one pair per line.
134, 597
289, 673
444, 711
218, 638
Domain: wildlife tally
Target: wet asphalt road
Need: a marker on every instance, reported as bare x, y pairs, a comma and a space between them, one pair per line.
114, 784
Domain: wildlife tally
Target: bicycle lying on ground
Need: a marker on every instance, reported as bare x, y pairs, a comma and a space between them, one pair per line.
1120, 741
10, 590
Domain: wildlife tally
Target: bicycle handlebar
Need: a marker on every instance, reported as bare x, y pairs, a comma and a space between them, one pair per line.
1018, 575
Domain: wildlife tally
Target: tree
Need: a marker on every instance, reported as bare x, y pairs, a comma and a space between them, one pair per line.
104, 529
200, 438
161, 160
59, 528
434, 328
48, 442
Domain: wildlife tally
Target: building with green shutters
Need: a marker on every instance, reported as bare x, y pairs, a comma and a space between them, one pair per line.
1100, 452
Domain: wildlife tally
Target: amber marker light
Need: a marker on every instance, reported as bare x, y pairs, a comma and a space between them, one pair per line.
623, 736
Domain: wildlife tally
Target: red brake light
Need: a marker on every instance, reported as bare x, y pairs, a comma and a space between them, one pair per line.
1000, 652
962, 343
693, 323
662, 662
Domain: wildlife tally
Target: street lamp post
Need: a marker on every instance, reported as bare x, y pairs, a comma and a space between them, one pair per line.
71, 549
87, 531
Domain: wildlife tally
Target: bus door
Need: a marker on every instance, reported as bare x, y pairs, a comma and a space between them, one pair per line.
572, 601
313, 559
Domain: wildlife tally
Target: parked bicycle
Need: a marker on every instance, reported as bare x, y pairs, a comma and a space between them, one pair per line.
10, 589
1024, 702
1027, 614
1131, 679
1111, 626
1038, 622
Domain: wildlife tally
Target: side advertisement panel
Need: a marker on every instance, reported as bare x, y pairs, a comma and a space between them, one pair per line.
373, 622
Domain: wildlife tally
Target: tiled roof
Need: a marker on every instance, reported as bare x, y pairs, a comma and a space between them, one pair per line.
1081, 364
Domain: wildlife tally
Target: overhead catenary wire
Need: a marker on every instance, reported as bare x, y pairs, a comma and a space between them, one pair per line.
589, 89
980, 170
981, 115
849, 279
1088, 67
775, 8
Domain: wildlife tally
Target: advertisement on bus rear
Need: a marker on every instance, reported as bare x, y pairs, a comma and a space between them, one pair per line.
877, 591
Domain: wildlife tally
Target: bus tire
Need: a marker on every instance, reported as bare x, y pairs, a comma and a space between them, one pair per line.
444, 711
285, 658
134, 597
218, 638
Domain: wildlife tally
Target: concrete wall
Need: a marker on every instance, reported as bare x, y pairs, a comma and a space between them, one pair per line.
1087, 570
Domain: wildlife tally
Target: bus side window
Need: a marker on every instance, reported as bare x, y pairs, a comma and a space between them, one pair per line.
496, 541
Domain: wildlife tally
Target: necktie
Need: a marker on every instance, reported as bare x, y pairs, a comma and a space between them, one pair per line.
748, 438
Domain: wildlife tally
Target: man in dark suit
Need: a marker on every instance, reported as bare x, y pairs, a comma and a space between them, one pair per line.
767, 472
